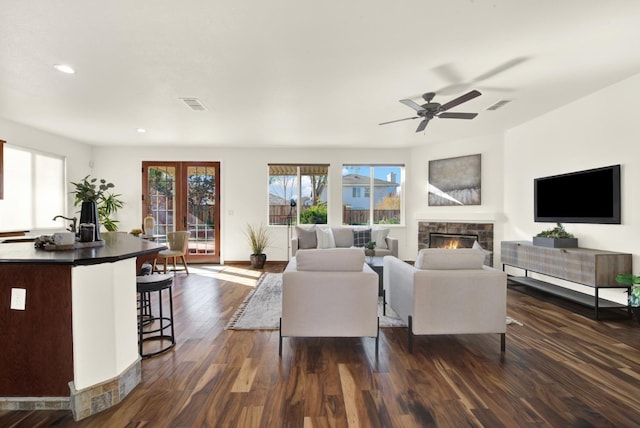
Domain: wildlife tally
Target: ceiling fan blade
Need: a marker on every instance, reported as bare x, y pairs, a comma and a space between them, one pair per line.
422, 125
461, 99
501, 68
412, 104
398, 120
457, 115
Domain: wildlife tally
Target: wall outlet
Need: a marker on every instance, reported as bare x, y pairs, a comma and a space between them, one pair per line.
18, 298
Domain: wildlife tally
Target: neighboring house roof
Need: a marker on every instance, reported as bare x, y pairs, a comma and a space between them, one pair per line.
354, 180
277, 200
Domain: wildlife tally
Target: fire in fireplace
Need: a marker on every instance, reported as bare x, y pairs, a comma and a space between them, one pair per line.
451, 240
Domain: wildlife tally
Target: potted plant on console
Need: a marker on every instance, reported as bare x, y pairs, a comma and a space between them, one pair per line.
259, 239
556, 237
633, 281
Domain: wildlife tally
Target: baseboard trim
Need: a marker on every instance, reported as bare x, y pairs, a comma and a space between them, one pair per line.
34, 403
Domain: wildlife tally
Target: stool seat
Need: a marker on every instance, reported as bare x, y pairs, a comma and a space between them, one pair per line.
153, 282
150, 327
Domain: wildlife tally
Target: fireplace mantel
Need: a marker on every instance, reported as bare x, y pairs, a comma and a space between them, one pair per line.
460, 217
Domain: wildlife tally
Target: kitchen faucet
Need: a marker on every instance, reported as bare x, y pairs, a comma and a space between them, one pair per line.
72, 226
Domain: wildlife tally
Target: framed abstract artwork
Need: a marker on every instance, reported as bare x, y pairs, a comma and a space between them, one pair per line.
455, 181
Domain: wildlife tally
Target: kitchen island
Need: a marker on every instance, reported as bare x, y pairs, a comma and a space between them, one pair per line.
68, 324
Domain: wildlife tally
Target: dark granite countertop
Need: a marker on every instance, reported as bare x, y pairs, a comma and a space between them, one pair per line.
118, 246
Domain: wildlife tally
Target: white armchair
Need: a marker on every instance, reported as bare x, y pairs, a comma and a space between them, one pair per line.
447, 292
329, 293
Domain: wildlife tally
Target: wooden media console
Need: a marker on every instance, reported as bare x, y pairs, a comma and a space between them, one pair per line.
593, 268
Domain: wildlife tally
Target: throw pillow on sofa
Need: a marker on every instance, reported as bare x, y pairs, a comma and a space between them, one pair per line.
325, 238
487, 253
306, 237
379, 236
361, 237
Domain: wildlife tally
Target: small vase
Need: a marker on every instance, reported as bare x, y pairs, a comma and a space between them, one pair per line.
89, 214
148, 225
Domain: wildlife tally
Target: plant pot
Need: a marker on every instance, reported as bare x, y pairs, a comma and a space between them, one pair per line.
635, 310
257, 260
89, 214
555, 242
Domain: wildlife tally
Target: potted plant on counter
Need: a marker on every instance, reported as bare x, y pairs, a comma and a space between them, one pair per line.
97, 203
259, 239
556, 237
633, 281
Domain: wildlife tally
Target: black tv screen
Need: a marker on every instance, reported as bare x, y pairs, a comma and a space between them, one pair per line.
590, 196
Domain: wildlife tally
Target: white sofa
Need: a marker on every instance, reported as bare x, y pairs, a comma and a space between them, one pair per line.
329, 293
325, 237
447, 292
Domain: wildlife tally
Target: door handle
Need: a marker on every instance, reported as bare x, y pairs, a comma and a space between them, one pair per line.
184, 222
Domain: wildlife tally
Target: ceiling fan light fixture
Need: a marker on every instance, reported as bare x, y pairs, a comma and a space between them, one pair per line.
64, 68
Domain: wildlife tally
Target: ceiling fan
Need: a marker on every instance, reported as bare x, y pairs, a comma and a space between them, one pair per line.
429, 110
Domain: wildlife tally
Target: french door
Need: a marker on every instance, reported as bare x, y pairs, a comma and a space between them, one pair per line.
185, 196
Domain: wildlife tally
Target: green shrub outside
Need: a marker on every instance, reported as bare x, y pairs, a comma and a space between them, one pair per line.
316, 214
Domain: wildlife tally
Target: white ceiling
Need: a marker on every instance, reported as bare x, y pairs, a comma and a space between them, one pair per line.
302, 73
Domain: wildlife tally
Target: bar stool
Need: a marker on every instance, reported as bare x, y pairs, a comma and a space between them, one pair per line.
155, 327
144, 299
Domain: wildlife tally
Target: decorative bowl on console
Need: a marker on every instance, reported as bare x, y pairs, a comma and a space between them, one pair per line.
556, 237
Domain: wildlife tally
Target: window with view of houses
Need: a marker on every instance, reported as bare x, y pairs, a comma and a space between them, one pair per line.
298, 194
372, 194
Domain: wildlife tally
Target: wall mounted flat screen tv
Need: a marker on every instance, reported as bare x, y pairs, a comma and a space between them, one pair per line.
590, 196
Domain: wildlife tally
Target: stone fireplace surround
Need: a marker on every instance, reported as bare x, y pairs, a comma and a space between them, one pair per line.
483, 230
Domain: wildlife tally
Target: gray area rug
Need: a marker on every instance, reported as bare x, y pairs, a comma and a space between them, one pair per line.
262, 308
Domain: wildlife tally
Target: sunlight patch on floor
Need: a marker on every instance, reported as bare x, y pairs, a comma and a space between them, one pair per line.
226, 273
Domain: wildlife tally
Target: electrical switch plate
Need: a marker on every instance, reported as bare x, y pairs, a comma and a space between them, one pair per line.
18, 298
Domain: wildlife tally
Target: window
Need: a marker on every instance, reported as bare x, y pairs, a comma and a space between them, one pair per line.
372, 194
298, 193
34, 189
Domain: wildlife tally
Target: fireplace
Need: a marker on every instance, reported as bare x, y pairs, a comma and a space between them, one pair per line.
451, 240
435, 230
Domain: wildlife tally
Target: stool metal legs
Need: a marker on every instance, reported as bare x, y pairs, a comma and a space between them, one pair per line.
150, 327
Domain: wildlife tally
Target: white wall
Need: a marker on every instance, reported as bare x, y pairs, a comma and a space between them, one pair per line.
491, 208
244, 186
595, 131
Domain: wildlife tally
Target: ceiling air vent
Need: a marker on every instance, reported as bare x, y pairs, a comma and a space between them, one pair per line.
498, 105
194, 104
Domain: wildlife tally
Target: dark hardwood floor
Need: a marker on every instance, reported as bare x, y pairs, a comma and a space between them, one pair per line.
561, 369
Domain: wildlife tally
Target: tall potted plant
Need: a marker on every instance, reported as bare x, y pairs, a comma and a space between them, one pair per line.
633, 281
97, 203
259, 239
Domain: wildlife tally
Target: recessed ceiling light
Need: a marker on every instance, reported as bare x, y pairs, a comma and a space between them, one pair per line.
141, 130
64, 68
